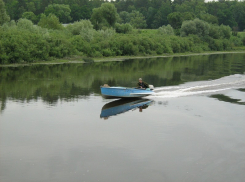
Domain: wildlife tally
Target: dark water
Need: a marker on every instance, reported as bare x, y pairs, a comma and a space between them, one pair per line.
56, 127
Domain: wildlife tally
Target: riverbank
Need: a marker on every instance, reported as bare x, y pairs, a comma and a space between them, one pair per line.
80, 59
165, 55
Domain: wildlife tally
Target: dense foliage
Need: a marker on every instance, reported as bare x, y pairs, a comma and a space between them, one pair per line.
22, 41
104, 16
154, 12
114, 29
3, 15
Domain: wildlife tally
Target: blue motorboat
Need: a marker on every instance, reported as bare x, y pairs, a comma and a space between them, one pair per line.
124, 92
123, 105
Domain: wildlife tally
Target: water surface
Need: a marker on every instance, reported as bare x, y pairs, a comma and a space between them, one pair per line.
192, 129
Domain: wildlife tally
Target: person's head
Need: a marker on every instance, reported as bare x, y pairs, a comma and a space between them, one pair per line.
140, 80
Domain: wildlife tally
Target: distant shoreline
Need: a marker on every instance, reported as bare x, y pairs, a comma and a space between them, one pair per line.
79, 60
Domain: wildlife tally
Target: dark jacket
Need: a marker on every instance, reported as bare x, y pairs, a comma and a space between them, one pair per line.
143, 85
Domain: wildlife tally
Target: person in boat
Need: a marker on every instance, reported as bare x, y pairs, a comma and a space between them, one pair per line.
142, 84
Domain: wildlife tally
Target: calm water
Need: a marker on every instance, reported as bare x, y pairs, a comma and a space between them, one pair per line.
56, 127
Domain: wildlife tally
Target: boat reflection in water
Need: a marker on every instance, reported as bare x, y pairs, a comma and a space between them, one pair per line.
124, 105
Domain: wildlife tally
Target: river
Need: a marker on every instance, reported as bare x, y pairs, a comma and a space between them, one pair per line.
56, 127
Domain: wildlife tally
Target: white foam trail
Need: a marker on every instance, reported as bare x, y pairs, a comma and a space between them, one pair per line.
201, 87
166, 88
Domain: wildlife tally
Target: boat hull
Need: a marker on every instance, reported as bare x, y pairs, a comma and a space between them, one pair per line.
124, 92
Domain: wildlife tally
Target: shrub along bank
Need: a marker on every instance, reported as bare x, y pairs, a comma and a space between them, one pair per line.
22, 41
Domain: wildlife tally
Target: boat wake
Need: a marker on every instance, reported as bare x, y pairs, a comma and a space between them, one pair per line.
201, 87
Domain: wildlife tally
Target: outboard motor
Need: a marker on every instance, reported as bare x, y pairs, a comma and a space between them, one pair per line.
151, 87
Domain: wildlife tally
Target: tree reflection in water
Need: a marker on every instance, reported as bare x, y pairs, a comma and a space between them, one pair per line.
68, 82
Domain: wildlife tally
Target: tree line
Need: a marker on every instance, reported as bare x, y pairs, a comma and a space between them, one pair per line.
154, 12
110, 32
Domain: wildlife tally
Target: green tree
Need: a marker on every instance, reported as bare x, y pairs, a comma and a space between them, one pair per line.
25, 24
225, 31
62, 11
3, 15
179, 1
30, 16
137, 20
124, 17
202, 27
175, 20
184, 7
141, 3
31, 7
123, 28
78, 26
161, 16
131, 8
97, 19
196, 27
188, 16
80, 12
104, 16
12, 7
220, 32
50, 22
21, 10
107, 33
150, 16
223, 11
193, 6
188, 27
166, 30
226, 17
209, 18
239, 14
83, 28
109, 13
214, 31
